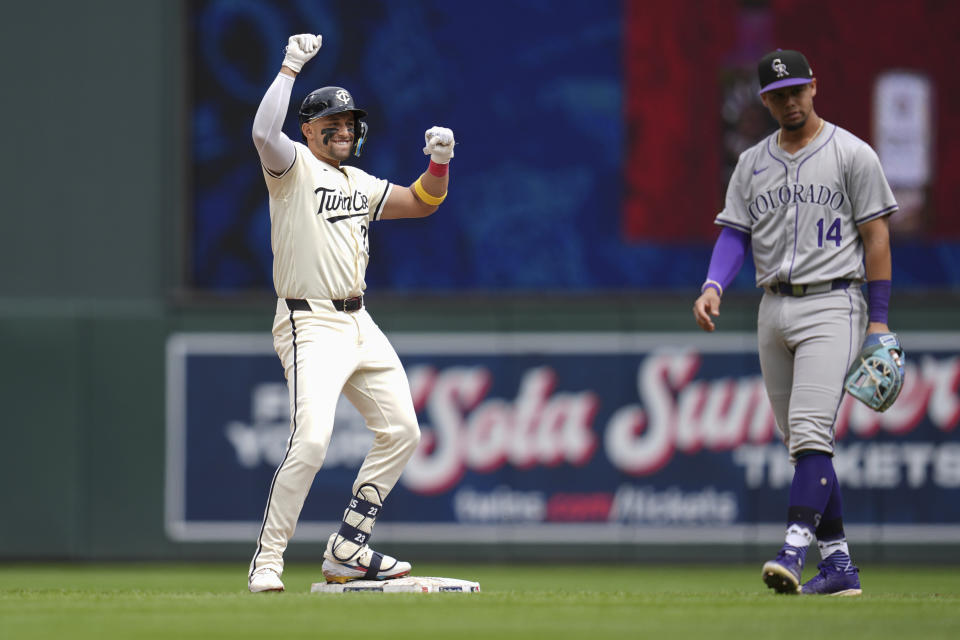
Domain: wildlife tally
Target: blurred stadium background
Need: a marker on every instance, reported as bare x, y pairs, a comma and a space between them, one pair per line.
543, 314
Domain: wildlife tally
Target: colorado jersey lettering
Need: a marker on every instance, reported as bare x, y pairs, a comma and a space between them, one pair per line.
802, 217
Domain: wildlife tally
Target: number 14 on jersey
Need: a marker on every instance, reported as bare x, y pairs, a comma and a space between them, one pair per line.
833, 233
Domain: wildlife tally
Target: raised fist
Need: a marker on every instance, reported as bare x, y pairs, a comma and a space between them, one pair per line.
301, 48
439, 144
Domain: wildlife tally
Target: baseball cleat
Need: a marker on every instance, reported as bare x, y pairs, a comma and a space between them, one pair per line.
837, 577
369, 565
365, 564
265, 580
782, 574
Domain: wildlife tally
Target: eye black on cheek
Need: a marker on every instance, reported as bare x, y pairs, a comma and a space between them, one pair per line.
328, 133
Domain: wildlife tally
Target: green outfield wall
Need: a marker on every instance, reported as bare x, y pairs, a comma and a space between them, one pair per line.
83, 406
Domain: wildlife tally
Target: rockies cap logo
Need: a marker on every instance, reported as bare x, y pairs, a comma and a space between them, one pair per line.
783, 68
780, 68
343, 96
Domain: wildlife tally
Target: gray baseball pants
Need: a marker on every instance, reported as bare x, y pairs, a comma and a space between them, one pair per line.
806, 345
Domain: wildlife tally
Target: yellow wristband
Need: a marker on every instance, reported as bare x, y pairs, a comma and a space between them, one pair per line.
426, 197
714, 284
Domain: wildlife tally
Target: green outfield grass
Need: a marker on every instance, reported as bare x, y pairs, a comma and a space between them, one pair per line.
593, 602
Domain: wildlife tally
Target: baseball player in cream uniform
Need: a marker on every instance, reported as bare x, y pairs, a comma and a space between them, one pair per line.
812, 202
320, 214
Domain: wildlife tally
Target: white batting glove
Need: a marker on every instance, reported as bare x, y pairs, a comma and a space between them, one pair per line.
439, 144
301, 48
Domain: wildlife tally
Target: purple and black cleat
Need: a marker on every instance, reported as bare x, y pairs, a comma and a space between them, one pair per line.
837, 577
782, 574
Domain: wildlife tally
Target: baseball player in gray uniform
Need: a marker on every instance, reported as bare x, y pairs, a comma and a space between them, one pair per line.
320, 214
812, 202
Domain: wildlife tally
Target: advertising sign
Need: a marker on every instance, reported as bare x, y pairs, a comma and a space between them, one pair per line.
607, 437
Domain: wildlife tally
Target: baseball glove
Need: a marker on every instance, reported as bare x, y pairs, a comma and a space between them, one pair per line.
876, 377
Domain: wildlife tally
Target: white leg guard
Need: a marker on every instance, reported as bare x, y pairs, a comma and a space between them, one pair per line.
348, 555
357, 526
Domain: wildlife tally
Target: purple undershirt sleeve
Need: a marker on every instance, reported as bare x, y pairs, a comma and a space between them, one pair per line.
727, 258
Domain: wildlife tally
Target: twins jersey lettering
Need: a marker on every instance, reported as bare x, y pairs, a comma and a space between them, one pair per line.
320, 217
802, 216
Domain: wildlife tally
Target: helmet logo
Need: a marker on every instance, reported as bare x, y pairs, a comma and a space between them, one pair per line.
343, 96
780, 68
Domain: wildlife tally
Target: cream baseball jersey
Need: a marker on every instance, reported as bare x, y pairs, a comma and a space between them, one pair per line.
802, 209
320, 218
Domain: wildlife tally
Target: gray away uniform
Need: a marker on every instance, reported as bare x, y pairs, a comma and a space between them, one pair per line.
802, 212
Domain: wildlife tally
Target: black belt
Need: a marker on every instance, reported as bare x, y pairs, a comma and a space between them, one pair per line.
347, 304
798, 290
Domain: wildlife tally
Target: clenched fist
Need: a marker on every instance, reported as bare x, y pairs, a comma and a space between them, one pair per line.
301, 48
439, 144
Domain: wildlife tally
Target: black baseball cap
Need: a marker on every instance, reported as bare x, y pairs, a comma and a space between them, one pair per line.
783, 68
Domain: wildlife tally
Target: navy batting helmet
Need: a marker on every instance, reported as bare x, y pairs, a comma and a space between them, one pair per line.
327, 101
